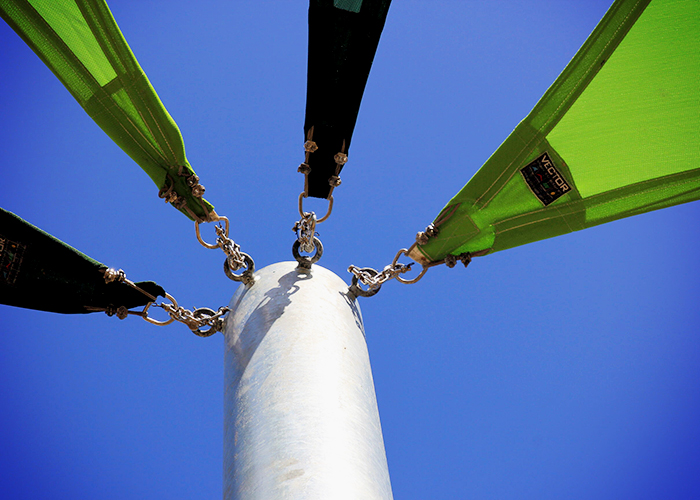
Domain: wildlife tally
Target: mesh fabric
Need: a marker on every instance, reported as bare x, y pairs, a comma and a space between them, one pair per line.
620, 128
81, 43
343, 38
38, 271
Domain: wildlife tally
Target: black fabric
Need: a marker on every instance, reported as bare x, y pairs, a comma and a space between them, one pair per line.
38, 271
342, 44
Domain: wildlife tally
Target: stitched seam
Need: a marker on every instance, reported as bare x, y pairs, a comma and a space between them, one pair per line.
651, 190
648, 190
550, 118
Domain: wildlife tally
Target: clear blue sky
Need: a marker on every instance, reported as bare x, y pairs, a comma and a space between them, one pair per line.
568, 368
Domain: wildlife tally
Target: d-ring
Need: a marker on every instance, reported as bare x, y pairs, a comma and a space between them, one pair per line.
199, 236
405, 251
328, 213
144, 313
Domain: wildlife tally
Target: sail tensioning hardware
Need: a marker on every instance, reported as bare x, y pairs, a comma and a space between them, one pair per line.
334, 181
305, 228
373, 279
170, 192
340, 159
195, 320
307, 239
235, 259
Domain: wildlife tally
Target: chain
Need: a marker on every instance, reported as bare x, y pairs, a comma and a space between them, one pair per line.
202, 317
307, 241
305, 230
373, 279
235, 259
195, 320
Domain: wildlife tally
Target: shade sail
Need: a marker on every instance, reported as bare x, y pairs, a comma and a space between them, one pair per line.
81, 43
617, 134
343, 39
38, 271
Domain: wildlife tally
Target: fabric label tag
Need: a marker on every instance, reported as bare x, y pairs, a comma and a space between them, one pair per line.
11, 254
544, 179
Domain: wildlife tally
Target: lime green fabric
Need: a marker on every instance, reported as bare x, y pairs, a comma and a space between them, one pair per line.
618, 131
83, 46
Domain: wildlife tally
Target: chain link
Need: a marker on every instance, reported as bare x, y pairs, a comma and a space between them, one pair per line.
234, 256
307, 239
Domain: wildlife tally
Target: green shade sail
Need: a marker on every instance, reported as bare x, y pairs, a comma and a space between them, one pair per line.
83, 46
617, 134
38, 271
343, 38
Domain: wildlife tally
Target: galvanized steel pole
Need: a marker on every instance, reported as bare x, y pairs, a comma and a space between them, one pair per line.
300, 411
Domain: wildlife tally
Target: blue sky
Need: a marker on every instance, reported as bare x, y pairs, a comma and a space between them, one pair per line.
567, 368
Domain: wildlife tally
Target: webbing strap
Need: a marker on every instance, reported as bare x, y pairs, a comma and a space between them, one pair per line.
343, 38
81, 43
38, 271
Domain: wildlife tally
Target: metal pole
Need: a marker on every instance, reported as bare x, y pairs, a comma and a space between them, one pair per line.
300, 412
